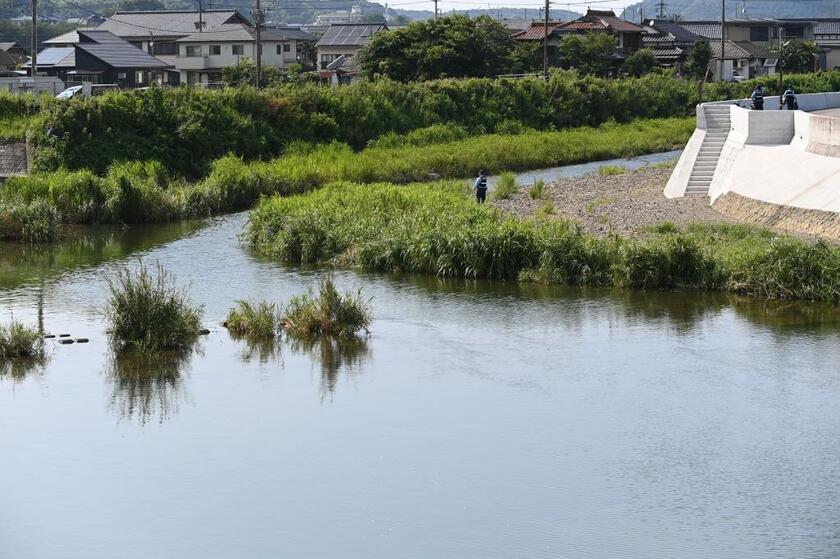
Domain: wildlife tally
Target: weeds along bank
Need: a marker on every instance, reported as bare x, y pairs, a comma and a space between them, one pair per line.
437, 229
34, 207
187, 128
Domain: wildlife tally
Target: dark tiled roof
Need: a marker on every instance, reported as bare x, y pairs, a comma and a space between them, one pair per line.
292, 33
733, 51
9, 45
352, 35
709, 30
239, 32
344, 65
167, 22
69, 38
679, 33
604, 20
7, 59
757, 51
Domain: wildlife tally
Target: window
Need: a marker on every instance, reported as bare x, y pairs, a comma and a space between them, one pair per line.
287, 47
760, 34
794, 32
326, 59
138, 77
164, 48
279, 49
215, 50
193, 50
238, 50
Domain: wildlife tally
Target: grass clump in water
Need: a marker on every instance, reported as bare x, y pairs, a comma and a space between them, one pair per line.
147, 311
506, 186
611, 170
253, 320
329, 313
18, 341
537, 190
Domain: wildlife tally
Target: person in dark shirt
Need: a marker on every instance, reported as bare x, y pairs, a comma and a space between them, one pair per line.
758, 98
789, 99
480, 187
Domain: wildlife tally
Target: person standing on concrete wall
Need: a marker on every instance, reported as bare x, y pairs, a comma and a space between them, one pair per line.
789, 99
758, 98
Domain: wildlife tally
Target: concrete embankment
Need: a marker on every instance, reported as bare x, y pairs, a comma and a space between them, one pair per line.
775, 168
13, 159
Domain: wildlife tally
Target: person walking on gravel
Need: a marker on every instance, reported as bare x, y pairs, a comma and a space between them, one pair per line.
480, 187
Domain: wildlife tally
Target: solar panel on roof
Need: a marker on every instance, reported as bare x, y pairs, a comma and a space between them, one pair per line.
54, 55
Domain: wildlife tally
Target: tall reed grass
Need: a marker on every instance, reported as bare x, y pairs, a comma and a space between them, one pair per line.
147, 311
19, 341
329, 313
435, 229
253, 320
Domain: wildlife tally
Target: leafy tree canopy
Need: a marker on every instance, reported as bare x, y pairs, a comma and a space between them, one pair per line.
641, 62
452, 46
698, 59
590, 53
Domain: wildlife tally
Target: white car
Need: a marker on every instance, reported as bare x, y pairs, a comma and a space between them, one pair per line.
70, 92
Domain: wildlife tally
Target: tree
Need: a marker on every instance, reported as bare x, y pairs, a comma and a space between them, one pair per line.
697, 61
799, 56
244, 72
452, 46
641, 62
697, 64
591, 53
373, 18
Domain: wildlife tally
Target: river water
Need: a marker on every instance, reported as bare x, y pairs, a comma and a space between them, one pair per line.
489, 420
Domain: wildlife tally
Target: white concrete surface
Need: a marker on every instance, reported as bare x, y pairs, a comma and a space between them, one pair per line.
678, 182
789, 158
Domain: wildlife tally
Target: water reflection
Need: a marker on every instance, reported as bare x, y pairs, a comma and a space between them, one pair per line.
147, 385
261, 350
21, 263
17, 370
335, 356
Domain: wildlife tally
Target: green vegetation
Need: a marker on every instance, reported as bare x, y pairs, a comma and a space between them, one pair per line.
148, 312
589, 53
641, 62
537, 190
18, 341
329, 313
610, 170
253, 320
141, 192
506, 186
452, 46
438, 230
36, 222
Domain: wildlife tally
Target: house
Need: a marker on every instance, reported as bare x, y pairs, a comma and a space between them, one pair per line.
98, 57
343, 40
14, 50
628, 35
827, 37
669, 42
7, 62
156, 31
757, 37
536, 33
202, 56
354, 15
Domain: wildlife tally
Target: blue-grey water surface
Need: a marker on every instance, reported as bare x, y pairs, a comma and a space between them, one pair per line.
484, 420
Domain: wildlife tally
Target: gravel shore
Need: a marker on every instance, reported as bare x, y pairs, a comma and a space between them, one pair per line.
619, 204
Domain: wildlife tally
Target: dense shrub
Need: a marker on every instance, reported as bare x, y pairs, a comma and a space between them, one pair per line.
438, 230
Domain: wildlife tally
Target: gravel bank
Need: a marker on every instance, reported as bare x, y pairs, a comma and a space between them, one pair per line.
618, 203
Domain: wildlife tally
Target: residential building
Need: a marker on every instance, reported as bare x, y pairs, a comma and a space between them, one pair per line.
156, 31
15, 51
827, 37
536, 33
353, 15
98, 57
343, 40
202, 56
759, 38
628, 35
7, 63
669, 42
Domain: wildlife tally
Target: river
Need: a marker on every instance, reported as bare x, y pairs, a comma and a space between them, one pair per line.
479, 419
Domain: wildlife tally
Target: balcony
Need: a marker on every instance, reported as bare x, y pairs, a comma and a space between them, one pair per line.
191, 62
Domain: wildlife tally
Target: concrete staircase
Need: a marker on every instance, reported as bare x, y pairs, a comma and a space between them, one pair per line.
717, 130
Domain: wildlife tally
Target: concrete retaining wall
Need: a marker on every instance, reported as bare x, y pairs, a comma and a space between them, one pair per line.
761, 127
13, 159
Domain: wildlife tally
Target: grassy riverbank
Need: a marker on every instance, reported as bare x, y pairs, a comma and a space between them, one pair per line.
145, 192
437, 229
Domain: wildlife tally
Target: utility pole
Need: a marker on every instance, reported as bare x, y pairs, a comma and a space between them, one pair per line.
781, 62
258, 47
200, 17
545, 44
661, 9
722, 36
34, 45
436, 9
